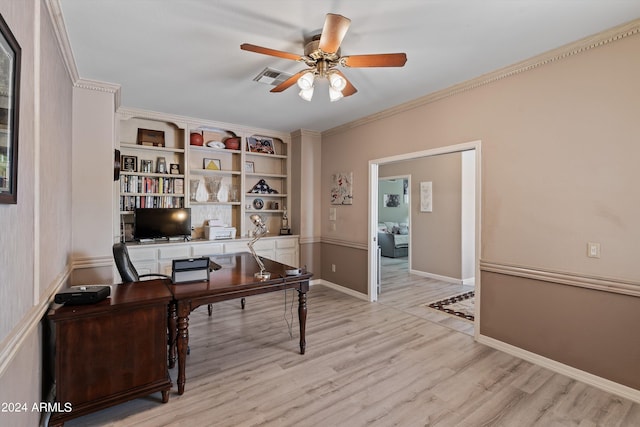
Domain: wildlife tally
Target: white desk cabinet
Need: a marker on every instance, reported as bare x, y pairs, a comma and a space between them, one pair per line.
158, 257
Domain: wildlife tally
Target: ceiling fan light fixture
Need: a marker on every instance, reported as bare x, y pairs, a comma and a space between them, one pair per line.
306, 94
305, 82
337, 82
334, 94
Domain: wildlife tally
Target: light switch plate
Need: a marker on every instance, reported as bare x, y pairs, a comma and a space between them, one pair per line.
332, 214
593, 250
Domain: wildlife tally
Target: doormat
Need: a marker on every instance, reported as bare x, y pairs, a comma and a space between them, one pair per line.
461, 305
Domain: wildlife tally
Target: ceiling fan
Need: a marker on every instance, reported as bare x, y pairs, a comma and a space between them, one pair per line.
322, 56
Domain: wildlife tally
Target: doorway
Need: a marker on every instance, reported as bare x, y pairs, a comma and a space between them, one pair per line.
471, 237
394, 223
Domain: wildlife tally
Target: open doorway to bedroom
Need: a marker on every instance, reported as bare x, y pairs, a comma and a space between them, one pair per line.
393, 225
443, 194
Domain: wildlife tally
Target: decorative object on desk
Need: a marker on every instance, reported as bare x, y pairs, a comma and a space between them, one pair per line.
212, 164
129, 163
10, 59
213, 187
262, 187
193, 189
258, 203
174, 169
260, 144
154, 138
284, 229
161, 165
426, 196
196, 139
146, 166
232, 143
261, 230
274, 206
249, 166
342, 188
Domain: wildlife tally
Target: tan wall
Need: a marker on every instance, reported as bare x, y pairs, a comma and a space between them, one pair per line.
435, 236
348, 262
584, 328
36, 232
559, 154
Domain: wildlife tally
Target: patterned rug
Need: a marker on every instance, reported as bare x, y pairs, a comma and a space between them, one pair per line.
461, 305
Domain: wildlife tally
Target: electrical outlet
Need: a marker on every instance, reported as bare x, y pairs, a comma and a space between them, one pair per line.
333, 268
593, 250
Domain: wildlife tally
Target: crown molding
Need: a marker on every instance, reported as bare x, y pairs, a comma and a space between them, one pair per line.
619, 32
55, 13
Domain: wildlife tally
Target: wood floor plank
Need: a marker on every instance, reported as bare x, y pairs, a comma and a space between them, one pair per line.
393, 362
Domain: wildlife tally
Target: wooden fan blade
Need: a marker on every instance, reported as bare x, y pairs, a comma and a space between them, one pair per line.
271, 52
289, 82
349, 89
334, 30
375, 60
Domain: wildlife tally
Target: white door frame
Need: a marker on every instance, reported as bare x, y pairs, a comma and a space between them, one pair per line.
373, 211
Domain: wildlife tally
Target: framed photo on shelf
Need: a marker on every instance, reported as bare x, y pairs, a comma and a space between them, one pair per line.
212, 164
261, 144
161, 165
174, 169
129, 163
249, 166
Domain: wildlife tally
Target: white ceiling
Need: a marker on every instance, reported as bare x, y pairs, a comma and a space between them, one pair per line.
183, 57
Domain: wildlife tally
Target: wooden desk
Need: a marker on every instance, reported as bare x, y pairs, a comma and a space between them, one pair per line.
112, 351
234, 280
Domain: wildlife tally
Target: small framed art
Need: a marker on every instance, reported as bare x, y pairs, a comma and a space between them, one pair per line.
212, 164
129, 163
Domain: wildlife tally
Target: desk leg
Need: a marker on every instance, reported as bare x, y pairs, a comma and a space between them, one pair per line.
183, 344
302, 317
172, 325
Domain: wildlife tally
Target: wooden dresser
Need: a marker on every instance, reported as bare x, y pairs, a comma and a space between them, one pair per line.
112, 351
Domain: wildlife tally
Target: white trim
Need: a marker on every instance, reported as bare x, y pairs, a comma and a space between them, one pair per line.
345, 243
37, 123
620, 32
373, 213
437, 277
57, 19
342, 289
555, 366
564, 278
13, 342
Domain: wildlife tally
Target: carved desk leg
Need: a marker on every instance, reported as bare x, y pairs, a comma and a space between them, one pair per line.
172, 327
183, 343
302, 317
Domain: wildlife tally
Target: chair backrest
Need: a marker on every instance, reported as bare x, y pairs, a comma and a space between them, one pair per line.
125, 267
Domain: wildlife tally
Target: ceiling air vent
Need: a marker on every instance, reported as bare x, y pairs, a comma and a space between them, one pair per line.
271, 77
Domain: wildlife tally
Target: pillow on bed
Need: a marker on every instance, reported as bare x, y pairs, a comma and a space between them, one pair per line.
403, 228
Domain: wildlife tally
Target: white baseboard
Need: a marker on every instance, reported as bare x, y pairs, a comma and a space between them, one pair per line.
342, 289
555, 366
437, 277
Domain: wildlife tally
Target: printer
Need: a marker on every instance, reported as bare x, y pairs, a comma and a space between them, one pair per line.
215, 229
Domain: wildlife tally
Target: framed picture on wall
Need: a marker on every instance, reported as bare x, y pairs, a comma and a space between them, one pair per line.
426, 196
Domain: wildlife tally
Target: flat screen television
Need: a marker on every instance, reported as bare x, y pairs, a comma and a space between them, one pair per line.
162, 223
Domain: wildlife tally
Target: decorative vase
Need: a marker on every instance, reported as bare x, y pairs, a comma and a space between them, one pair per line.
213, 187
196, 139
232, 143
193, 189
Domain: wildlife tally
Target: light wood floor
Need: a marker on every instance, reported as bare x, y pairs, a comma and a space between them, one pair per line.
388, 363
